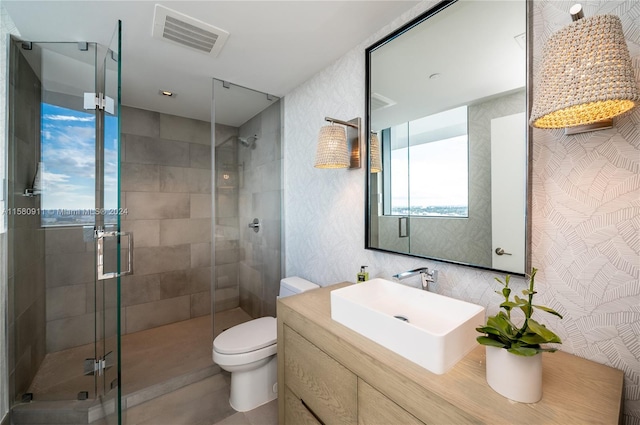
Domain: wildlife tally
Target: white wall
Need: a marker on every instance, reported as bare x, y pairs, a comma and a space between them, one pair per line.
585, 209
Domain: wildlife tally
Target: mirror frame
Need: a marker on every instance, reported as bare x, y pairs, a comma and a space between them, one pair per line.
529, 136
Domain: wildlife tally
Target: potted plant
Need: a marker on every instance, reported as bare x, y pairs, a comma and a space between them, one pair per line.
514, 361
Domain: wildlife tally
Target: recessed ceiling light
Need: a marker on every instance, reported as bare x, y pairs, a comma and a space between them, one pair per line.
167, 93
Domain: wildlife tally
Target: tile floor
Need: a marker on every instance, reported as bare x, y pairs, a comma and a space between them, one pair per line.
203, 403
152, 358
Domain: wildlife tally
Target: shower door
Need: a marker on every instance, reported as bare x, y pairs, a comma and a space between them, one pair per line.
64, 130
108, 238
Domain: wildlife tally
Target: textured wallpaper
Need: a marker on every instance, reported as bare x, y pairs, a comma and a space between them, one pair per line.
586, 209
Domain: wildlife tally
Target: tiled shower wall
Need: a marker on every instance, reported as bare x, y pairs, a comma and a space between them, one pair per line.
25, 259
585, 208
166, 188
227, 232
6, 27
249, 185
261, 198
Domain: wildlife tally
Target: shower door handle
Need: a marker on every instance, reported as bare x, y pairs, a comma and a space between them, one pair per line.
100, 236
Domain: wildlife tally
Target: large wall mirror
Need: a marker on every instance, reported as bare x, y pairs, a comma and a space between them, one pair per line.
448, 136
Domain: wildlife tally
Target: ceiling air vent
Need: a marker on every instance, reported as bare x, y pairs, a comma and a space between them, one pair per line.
186, 31
379, 101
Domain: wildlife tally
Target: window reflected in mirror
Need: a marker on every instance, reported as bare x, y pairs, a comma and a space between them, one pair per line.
429, 168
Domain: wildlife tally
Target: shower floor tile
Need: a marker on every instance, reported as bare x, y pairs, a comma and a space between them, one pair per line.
149, 357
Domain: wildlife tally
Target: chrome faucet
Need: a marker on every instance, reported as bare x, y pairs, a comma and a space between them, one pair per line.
427, 276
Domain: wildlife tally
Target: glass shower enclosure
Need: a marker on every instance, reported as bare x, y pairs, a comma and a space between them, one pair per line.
63, 219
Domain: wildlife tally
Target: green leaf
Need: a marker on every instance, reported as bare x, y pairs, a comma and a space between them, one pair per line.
506, 292
489, 330
532, 339
520, 301
543, 332
548, 310
501, 324
508, 305
523, 351
490, 342
528, 292
526, 309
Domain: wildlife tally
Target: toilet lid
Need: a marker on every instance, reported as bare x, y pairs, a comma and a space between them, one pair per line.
248, 336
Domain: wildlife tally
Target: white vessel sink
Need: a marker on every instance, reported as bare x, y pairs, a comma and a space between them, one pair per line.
439, 332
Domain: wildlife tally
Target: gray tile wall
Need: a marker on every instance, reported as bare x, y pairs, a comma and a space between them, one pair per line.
70, 270
26, 295
7, 27
166, 188
166, 183
261, 197
227, 178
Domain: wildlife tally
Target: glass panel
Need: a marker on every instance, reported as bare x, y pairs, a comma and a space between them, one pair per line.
108, 214
399, 169
394, 224
51, 268
247, 185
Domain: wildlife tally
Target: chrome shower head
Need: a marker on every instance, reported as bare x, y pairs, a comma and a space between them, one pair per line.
248, 141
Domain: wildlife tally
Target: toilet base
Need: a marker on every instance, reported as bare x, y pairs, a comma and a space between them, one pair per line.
255, 387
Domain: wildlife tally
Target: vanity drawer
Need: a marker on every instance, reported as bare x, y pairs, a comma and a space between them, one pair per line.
327, 388
295, 412
375, 408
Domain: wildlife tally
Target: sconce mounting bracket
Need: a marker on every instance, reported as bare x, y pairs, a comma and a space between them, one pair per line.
354, 140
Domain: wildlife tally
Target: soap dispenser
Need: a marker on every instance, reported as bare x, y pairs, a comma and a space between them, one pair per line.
363, 275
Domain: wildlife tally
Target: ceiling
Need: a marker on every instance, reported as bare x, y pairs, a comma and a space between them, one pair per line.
273, 46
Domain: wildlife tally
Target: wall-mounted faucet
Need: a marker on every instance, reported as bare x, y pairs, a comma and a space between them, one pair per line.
427, 276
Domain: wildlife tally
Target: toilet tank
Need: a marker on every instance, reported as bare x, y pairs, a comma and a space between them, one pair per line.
295, 285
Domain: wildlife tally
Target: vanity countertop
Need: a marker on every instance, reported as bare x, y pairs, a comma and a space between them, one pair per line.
575, 390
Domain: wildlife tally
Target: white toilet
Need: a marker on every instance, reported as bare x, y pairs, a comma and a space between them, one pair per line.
248, 351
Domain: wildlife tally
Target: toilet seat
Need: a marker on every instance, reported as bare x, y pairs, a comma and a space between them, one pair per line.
247, 337
227, 360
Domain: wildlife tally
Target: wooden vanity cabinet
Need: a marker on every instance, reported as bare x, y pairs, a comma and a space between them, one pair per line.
328, 374
374, 408
319, 390
325, 388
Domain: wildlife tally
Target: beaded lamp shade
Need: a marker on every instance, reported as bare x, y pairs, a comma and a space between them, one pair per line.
332, 151
586, 75
374, 153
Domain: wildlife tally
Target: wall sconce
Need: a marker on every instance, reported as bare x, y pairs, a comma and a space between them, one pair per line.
375, 153
586, 76
338, 148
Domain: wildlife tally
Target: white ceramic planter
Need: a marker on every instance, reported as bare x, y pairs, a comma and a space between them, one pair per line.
516, 377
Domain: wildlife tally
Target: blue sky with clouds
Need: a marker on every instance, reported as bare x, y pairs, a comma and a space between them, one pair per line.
68, 156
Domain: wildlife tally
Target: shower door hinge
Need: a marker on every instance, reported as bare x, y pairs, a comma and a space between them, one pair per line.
94, 367
99, 101
98, 366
